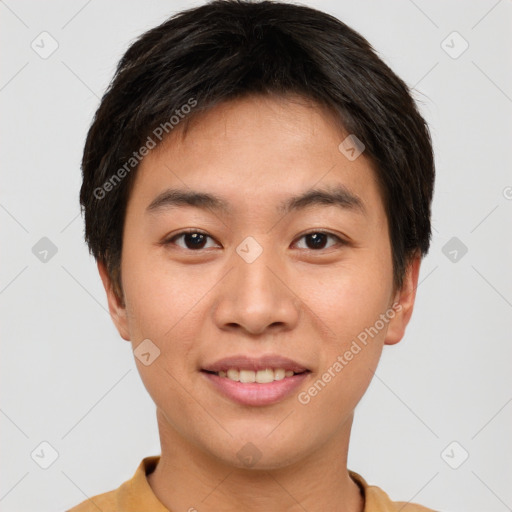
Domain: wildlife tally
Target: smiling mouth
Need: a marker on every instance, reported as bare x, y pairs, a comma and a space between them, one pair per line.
256, 381
260, 376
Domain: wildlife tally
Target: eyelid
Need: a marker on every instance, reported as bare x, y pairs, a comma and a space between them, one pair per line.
339, 239
170, 240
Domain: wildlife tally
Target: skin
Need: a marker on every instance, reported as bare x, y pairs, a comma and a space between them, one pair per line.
294, 300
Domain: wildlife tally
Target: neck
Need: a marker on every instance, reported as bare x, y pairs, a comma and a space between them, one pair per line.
188, 479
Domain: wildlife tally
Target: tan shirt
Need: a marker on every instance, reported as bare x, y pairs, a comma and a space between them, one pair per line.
136, 495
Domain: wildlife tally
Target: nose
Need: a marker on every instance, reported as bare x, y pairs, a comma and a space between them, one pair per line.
257, 296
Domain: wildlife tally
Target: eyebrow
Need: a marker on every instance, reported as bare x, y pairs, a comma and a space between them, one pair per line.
337, 195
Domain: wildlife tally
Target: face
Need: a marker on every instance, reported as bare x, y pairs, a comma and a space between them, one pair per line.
261, 277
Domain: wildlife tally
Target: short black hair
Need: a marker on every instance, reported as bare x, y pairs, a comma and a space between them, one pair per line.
227, 49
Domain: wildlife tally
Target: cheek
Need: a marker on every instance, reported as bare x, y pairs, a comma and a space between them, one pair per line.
164, 307
349, 297
348, 304
349, 314
158, 297
166, 304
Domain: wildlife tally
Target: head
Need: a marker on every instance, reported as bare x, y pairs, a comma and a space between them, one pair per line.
302, 170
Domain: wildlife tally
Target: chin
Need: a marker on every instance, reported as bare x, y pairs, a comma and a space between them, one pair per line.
256, 451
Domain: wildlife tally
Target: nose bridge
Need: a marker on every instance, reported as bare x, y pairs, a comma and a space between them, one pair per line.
255, 281
253, 295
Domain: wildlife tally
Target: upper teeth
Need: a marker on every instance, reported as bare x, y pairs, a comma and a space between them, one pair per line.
260, 376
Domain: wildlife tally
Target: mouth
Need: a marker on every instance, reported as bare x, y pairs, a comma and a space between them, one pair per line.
256, 381
261, 376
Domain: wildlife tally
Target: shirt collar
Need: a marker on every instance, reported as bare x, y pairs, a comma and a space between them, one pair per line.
136, 494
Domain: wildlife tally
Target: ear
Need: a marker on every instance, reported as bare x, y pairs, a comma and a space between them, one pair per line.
115, 306
404, 302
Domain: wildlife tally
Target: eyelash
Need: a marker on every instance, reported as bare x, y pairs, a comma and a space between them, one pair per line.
171, 240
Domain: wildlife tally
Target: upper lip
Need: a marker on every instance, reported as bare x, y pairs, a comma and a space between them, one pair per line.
243, 362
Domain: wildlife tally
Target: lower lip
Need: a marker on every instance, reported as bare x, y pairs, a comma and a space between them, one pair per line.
253, 393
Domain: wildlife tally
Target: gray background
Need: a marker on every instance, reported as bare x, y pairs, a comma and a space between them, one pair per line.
67, 378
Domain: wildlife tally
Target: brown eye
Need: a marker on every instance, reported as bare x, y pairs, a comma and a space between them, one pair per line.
192, 240
317, 240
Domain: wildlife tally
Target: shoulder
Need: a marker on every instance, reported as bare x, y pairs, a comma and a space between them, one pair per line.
134, 494
405, 506
105, 502
376, 500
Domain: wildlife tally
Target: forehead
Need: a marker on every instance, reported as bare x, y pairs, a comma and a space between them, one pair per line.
256, 151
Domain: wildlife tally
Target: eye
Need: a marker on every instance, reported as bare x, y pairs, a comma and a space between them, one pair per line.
317, 240
196, 240
192, 239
